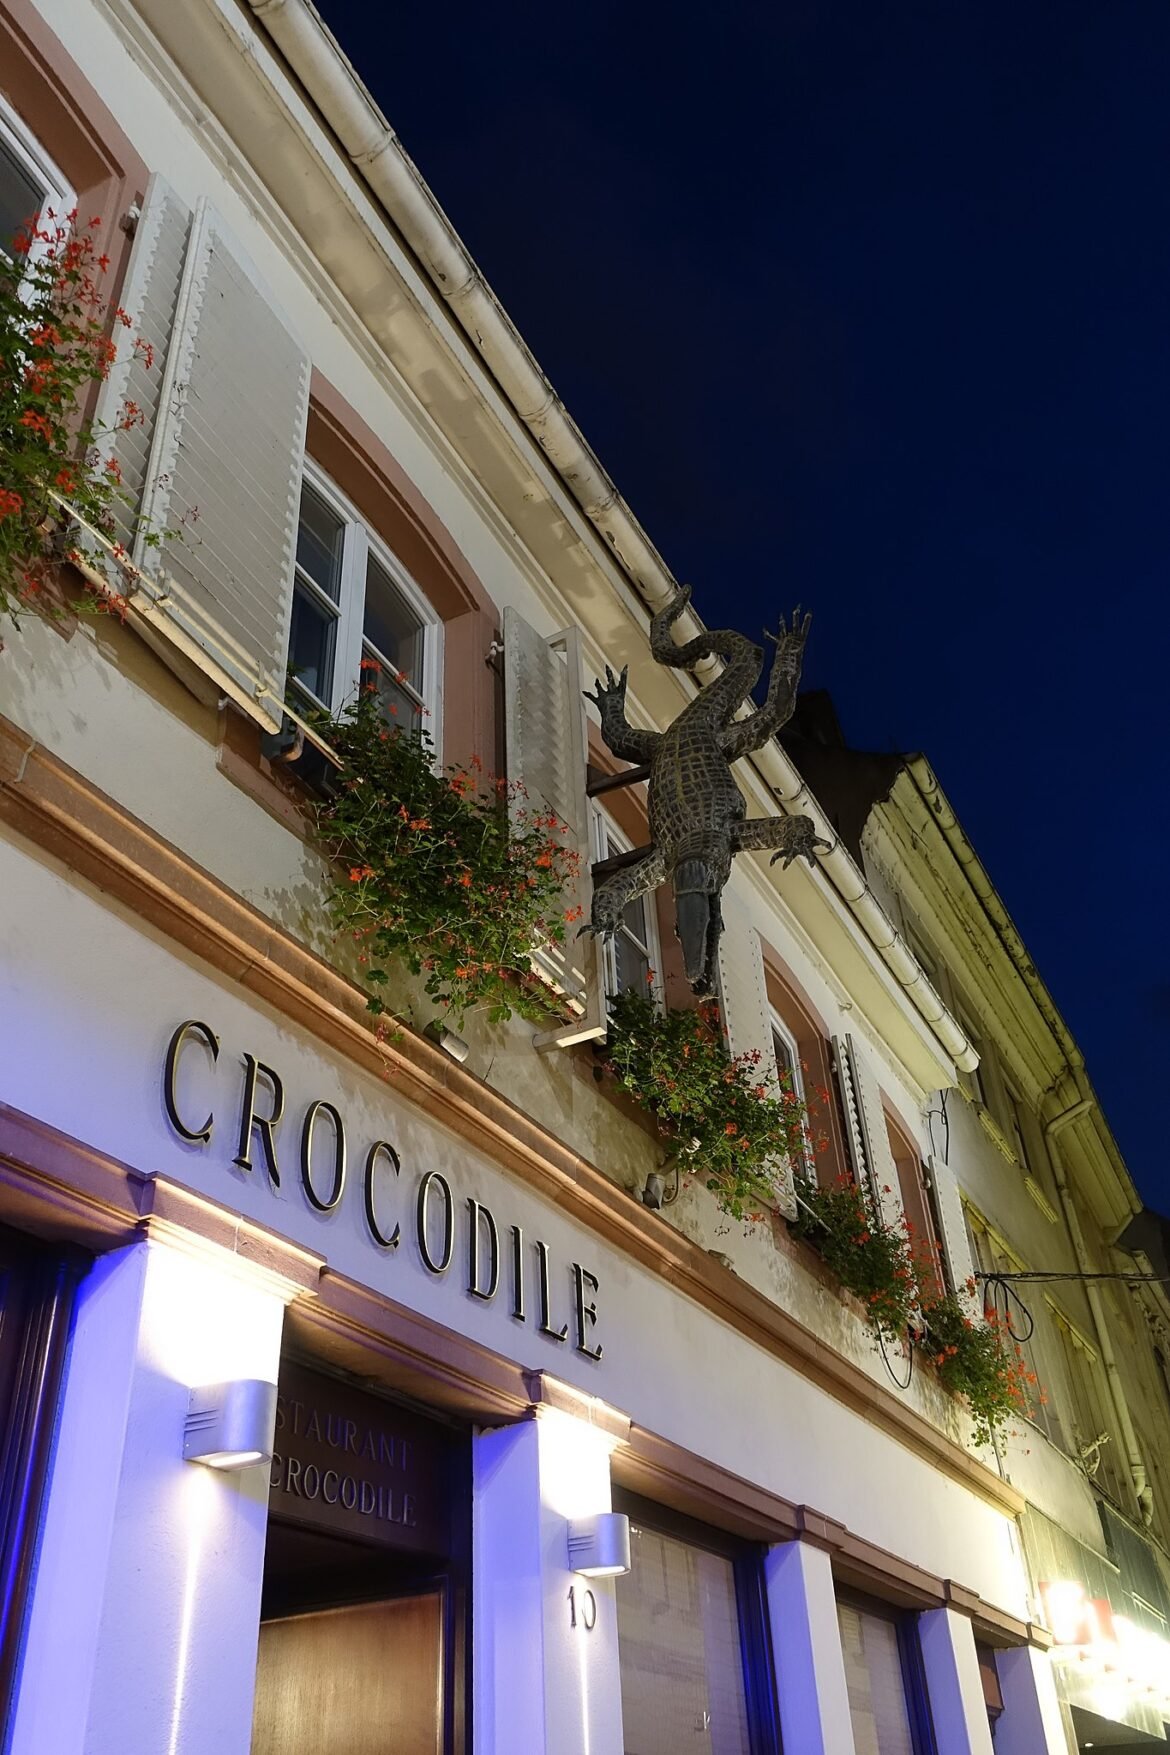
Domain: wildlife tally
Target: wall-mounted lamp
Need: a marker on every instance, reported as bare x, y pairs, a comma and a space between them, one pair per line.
231, 1425
599, 1547
447, 1040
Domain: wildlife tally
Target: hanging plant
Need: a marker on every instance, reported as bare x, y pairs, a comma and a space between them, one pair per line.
872, 1259
55, 346
735, 1119
979, 1361
448, 870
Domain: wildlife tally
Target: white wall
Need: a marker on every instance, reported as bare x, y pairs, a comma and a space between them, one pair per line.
88, 1002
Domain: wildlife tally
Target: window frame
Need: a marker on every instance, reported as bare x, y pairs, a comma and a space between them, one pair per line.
778, 1027
914, 1689
608, 840
360, 543
59, 198
760, 1682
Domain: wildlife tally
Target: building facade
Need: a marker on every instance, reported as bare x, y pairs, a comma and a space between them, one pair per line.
217, 1168
1048, 1203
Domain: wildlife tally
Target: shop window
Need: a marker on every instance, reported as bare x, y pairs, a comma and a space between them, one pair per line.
992, 1692
355, 613
692, 1644
883, 1672
37, 1288
631, 958
31, 187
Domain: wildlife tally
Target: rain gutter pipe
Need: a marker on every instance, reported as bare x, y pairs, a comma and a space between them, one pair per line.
377, 155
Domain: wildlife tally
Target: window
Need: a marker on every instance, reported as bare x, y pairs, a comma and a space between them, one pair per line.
1013, 1103
1090, 1440
354, 607
917, 1200
786, 1053
887, 1698
631, 957
30, 185
692, 1644
990, 1257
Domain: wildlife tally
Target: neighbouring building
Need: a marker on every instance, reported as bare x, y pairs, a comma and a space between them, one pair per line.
219, 1172
1045, 1194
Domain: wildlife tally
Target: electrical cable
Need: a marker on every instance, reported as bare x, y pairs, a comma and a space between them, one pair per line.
1125, 1279
895, 1380
1001, 1297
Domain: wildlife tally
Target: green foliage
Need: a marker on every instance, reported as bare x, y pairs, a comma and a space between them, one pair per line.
55, 347
450, 871
871, 1259
897, 1281
979, 1361
735, 1118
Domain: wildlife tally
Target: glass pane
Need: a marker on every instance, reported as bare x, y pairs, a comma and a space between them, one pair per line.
679, 1652
310, 645
399, 707
635, 922
20, 197
632, 965
877, 1692
320, 537
392, 626
784, 1060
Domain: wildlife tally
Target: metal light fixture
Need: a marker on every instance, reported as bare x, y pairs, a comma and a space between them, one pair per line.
447, 1040
599, 1547
231, 1425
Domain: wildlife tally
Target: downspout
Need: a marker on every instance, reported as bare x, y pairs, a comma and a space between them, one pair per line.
315, 57
1137, 1468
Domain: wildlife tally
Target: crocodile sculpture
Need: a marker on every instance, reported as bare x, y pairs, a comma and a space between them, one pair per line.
698, 818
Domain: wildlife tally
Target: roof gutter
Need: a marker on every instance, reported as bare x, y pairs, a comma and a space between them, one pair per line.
329, 78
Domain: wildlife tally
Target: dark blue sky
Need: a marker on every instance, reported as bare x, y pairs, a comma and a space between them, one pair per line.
867, 306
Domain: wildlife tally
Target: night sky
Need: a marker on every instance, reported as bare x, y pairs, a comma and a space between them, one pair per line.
866, 306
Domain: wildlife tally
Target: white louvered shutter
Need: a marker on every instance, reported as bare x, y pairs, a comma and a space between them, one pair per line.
218, 455
150, 298
866, 1131
545, 738
746, 1017
953, 1238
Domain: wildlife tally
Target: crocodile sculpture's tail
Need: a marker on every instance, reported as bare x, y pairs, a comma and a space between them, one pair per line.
743, 659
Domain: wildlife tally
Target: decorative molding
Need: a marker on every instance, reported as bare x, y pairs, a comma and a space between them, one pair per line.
1036, 1193
62, 813
995, 1134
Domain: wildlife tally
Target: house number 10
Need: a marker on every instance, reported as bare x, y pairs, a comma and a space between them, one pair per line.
585, 1606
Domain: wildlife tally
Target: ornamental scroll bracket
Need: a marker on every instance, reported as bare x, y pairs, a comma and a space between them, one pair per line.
698, 817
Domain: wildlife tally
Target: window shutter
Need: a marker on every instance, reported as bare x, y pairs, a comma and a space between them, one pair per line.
865, 1129
953, 1238
218, 455
746, 1020
544, 731
150, 297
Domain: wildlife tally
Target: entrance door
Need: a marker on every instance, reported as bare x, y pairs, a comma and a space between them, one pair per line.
364, 1613
366, 1679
